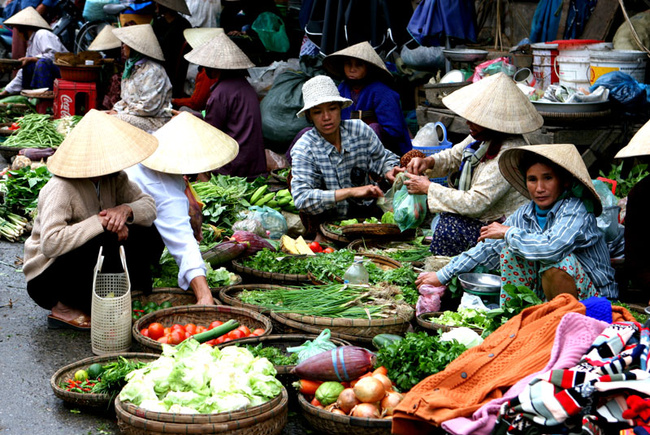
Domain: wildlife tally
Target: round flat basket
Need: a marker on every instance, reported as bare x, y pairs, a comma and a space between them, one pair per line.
333, 232
370, 230
8, 152
230, 296
89, 399
425, 322
4, 129
382, 262
282, 342
330, 423
277, 278
269, 422
364, 244
199, 315
177, 296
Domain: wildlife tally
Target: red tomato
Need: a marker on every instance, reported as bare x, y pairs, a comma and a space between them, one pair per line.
215, 324
211, 342
227, 340
245, 330
167, 330
219, 340
200, 329
145, 332
164, 339
156, 330
176, 337
315, 247
190, 328
258, 332
328, 250
235, 334
178, 327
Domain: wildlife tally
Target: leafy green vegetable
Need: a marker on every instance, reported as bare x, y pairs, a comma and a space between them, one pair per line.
625, 184
639, 316
388, 218
467, 317
166, 274
371, 220
273, 354
113, 376
417, 356
21, 188
348, 222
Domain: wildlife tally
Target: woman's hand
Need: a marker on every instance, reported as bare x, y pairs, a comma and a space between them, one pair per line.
427, 278
114, 219
417, 184
418, 165
123, 234
369, 191
493, 231
26, 60
390, 175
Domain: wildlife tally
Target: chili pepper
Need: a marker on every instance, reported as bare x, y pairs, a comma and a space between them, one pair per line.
139, 311
76, 390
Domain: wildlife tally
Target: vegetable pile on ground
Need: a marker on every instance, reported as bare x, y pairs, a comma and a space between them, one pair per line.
35, 131
166, 275
193, 378
334, 300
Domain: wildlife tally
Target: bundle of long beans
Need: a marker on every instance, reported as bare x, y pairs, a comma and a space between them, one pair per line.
36, 131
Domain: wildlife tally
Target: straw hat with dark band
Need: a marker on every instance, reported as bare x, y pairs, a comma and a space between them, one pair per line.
28, 17
99, 145
198, 36
189, 145
319, 90
175, 5
639, 145
220, 53
495, 102
563, 155
363, 51
142, 39
105, 40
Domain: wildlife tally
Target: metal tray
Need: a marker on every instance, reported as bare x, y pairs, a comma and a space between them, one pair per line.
547, 107
464, 54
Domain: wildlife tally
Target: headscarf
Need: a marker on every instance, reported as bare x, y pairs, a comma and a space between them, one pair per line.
134, 58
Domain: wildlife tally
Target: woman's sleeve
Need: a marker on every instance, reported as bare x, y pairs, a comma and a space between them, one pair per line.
143, 205
381, 159
486, 254
306, 186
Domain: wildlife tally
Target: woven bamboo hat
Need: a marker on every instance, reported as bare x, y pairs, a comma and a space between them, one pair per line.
141, 38
28, 17
495, 102
639, 145
198, 36
175, 5
220, 53
189, 145
319, 90
105, 40
564, 155
100, 144
363, 51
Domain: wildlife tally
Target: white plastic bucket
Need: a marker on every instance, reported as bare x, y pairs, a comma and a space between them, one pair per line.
544, 55
631, 62
573, 66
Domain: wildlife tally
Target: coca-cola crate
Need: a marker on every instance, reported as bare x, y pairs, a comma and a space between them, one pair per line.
74, 98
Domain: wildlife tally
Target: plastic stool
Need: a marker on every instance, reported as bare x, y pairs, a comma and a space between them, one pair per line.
74, 98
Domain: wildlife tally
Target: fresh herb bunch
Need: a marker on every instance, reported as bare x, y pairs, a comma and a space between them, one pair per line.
625, 184
113, 377
273, 354
22, 188
417, 356
166, 274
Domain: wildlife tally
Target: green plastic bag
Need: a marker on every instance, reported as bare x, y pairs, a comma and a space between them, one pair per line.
308, 349
409, 210
272, 32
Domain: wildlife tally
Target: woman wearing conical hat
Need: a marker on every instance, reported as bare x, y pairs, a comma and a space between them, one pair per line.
146, 92
365, 81
38, 70
89, 203
552, 244
498, 114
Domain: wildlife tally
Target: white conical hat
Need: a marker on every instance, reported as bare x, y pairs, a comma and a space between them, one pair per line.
105, 40
639, 144
189, 145
28, 17
100, 144
141, 38
563, 155
495, 102
176, 5
318, 90
198, 36
364, 51
220, 53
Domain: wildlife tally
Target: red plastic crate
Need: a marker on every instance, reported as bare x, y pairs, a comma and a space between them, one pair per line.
74, 98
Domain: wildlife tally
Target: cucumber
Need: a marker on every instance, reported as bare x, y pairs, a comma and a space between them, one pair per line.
15, 99
383, 340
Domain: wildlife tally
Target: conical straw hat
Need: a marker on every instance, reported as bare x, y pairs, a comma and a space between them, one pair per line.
141, 38
189, 145
220, 53
28, 17
198, 36
175, 5
364, 51
495, 102
564, 155
100, 144
105, 40
639, 145
318, 90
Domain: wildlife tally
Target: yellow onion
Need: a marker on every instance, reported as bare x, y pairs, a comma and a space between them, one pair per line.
338, 411
347, 400
369, 389
365, 410
390, 402
388, 385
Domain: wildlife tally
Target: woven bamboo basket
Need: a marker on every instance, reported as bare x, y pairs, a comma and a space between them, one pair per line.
269, 422
329, 423
270, 277
177, 296
384, 263
333, 232
230, 296
371, 230
89, 399
359, 245
199, 315
425, 323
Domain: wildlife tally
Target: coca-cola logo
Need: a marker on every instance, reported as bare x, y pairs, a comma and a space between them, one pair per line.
66, 100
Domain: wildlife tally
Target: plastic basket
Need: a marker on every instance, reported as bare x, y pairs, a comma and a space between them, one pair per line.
110, 328
429, 151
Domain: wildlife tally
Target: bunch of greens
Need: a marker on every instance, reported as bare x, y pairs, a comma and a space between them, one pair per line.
625, 184
166, 274
468, 317
639, 316
193, 377
21, 188
417, 356
36, 131
273, 354
113, 376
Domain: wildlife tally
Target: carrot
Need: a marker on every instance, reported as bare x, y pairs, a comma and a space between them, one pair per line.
306, 386
315, 402
381, 370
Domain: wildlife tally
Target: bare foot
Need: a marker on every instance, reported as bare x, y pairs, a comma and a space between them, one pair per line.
64, 312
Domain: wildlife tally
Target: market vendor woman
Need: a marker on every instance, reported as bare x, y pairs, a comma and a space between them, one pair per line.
89, 203
552, 245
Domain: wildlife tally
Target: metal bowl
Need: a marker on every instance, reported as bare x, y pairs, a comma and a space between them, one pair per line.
464, 54
480, 282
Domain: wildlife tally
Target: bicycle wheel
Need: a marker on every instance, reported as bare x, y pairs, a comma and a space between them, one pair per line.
87, 33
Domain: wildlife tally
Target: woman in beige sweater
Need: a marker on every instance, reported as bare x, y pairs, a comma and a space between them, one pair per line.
89, 203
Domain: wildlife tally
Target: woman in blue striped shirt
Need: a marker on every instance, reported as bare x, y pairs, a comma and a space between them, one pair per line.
552, 244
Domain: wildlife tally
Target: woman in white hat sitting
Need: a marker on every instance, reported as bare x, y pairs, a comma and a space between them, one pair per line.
498, 114
89, 203
38, 70
552, 244
146, 96
204, 148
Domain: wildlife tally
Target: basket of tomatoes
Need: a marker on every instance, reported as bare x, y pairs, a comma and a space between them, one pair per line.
173, 325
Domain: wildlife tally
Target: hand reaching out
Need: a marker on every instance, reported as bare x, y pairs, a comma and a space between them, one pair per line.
493, 231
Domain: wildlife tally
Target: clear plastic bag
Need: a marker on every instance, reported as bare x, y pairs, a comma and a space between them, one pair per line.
272, 220
309, 348
251, 225
429, 300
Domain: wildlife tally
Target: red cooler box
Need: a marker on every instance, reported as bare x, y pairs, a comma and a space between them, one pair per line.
74, 98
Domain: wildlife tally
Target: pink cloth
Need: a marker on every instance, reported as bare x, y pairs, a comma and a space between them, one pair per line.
574, 335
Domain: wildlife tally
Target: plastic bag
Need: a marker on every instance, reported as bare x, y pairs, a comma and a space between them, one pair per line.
463, 335
608, 220
251, 225
623, 90
429, 300
272, 220
270, 28
94, 9
410, 210
427, 136
488, 67
308, 349
275, 161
